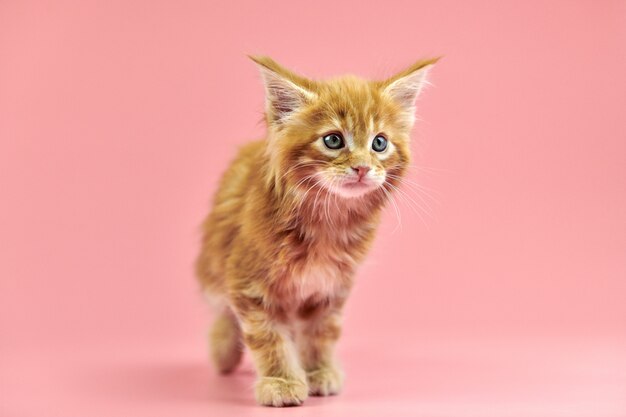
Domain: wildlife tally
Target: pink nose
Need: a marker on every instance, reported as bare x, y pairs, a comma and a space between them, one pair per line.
361, 171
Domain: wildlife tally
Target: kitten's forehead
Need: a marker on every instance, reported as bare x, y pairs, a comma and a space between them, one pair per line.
353, 105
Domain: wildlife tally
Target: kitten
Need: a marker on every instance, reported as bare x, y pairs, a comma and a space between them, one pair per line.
294, 215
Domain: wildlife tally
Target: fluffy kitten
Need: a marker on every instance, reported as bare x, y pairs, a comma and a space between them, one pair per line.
294, 215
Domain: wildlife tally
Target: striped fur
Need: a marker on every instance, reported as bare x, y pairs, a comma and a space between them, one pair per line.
281, 244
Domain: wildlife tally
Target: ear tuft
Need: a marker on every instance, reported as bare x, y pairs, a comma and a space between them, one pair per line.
406, 86
285, 92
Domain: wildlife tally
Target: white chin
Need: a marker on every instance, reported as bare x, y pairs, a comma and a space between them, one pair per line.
353, 190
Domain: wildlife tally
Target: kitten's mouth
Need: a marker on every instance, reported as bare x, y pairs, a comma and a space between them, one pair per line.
355, 187
357, 184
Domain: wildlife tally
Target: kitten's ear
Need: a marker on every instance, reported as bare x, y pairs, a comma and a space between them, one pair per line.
285, 92
406, 86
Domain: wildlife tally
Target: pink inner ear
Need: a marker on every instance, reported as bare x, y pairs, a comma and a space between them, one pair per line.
283, 97
283, 102
406, 89
407, 96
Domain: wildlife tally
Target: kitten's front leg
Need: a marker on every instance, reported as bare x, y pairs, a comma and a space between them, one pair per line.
281, 380
320, 330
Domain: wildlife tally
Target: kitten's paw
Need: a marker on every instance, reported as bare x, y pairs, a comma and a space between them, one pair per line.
325, 381
280, 392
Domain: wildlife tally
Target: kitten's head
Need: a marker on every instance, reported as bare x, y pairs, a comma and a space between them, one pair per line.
346, 136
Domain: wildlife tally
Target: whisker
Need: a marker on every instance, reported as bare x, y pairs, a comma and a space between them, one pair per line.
410, 200
417, 194
396, 209
418, 188
301, 165
416, 208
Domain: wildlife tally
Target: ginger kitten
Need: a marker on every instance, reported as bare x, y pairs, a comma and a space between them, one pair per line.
294, 215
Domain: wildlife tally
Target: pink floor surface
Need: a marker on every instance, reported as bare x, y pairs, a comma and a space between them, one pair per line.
433, 377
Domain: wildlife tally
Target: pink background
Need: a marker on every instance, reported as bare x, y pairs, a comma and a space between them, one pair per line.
117, 118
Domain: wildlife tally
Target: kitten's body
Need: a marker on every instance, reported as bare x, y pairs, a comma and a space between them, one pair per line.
286, 233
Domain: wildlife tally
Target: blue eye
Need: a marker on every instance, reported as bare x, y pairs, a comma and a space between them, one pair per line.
334, 141
379, 144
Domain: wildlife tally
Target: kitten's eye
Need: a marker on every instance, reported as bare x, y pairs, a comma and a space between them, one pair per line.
333, 141
379, 144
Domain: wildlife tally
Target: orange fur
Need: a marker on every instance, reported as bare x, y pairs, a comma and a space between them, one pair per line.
291, 221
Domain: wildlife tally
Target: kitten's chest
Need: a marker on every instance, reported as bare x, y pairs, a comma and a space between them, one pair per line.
321, 267
318, 279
